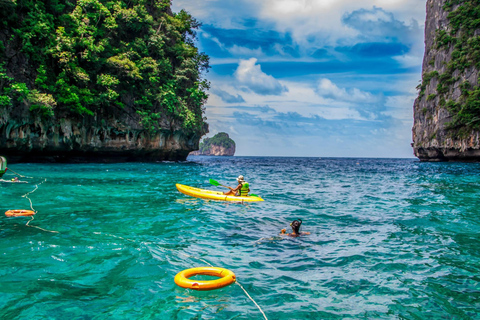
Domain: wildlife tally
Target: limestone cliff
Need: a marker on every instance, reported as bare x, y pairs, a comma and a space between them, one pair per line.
446, 112
219, 145
108, 139
102, 81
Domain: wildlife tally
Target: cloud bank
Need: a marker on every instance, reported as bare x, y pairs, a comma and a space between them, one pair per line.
312, 77
250, 74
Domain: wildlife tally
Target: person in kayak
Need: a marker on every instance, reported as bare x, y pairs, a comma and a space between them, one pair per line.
241, 190
295, 228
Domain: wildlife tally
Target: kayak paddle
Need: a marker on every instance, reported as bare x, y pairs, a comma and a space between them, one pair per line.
216, 183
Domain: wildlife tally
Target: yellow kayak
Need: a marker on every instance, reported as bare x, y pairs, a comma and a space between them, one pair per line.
214, 195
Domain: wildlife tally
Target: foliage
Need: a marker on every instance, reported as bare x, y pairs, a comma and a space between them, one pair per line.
464, 20
94, 57
220, 139
426, 80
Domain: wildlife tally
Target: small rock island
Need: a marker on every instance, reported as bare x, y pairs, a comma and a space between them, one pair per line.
219, 145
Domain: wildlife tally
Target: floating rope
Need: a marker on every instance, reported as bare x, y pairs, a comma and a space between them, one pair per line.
252, 300
26, 195
18, 174
30, 192
39, 227
31, 206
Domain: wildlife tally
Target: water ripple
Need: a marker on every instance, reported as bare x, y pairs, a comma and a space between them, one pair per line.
390, 239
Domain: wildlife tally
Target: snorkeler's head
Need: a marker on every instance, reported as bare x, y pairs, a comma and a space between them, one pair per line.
296, 225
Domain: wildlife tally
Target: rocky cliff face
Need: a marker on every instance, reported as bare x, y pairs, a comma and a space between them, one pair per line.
219, 145
216, 151
116, 136
101, 81
449, 78
69, 140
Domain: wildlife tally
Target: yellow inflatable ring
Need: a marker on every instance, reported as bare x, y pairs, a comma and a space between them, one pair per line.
19, 213
227, 277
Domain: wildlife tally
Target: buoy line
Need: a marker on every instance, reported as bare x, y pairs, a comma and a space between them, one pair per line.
26, 195
252, 300
31, 206
39, 227
18, 174
30, 192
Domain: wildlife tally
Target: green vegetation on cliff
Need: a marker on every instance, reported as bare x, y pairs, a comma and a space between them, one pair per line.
220, 139
464, 20
95, 57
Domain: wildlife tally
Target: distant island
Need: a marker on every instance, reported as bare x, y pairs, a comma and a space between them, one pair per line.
219, 145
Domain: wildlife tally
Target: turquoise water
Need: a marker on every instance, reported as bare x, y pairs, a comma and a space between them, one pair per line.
390, 239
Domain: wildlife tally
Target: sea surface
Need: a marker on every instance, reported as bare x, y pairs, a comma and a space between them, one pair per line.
390, 239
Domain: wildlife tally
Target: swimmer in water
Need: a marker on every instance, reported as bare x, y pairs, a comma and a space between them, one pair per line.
295, 228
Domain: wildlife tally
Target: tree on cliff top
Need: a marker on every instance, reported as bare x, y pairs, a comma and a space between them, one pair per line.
220, 139
96, 57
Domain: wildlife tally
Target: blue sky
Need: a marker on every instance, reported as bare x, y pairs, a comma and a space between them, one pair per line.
321, 78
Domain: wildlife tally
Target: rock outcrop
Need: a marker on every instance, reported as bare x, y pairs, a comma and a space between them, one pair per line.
216, 151
446, 119
101, 81
219, 145
114, 140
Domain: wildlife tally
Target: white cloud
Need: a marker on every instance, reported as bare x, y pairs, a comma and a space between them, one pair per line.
375, 16
226, 96
328, 89
400, 107
221, 13
207, 35
378, 24
314, 24
306, 17
251, 75
411, 60
245, 52
346, 107
302, 18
